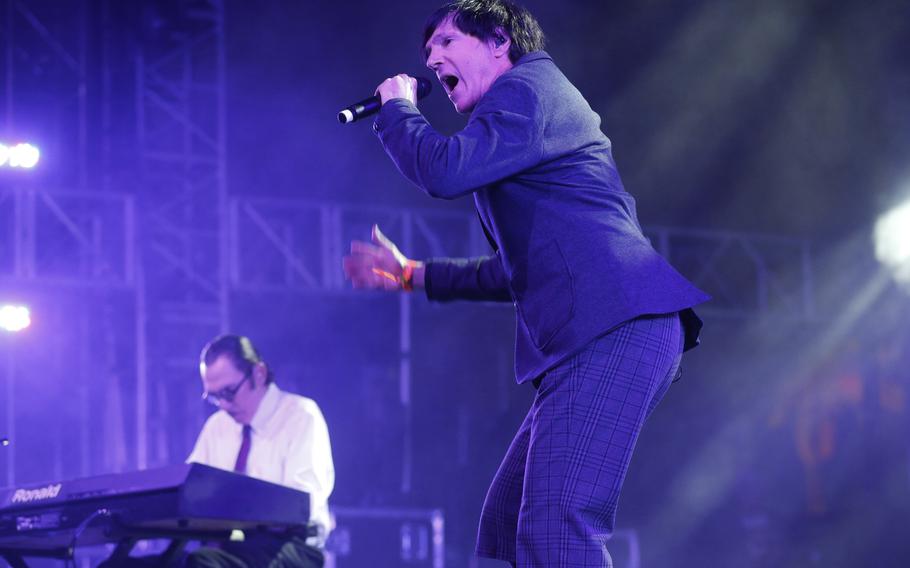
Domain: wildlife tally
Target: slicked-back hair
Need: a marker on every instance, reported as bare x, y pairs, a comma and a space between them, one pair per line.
239, 349
480, 18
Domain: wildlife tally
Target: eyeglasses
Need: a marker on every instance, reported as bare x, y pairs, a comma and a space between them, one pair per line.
226, 394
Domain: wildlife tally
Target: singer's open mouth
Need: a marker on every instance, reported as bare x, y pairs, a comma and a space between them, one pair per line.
449, 82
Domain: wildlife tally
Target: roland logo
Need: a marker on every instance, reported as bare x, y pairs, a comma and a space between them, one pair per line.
39, 494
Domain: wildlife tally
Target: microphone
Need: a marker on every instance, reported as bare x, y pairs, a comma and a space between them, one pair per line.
369, 106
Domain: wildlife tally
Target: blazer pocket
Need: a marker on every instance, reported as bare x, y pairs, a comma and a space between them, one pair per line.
546, 302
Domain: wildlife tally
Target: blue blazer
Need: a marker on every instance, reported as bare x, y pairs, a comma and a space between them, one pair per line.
569, 251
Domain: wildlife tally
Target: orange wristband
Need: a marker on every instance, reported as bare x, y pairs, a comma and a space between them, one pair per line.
407, 276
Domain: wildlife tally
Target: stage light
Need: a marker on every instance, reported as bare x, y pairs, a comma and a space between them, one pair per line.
19, 156
14, 318
892, 242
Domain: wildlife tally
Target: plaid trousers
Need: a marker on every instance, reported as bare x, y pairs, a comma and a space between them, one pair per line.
553, 500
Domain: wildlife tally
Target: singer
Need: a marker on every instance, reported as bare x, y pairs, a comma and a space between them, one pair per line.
602, 319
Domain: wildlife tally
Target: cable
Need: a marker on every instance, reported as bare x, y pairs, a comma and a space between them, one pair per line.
81, 529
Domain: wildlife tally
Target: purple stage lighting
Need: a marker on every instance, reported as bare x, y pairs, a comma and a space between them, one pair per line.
892, 242
14, 318
19, 156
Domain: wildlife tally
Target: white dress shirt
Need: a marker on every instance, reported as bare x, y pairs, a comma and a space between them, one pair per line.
289, 446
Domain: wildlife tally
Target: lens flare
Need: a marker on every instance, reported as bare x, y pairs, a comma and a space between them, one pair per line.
892, 242
19, 156
14, 318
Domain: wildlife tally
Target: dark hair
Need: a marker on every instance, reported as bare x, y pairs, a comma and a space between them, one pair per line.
239, 349
480, 18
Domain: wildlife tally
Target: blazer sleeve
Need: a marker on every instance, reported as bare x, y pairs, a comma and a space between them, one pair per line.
503, 137
479, 279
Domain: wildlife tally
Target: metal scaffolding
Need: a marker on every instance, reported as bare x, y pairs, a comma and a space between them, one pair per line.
748, 275
73, 238
298, 244
182, 297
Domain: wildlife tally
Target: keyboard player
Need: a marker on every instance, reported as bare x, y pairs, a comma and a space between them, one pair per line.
270, 434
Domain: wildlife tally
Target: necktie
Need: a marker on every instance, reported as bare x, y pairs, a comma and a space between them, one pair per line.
240, 464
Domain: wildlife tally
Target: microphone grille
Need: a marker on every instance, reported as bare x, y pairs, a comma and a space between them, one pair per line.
424, 86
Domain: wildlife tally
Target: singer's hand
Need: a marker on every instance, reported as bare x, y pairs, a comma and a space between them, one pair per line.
377, 266
398, 87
